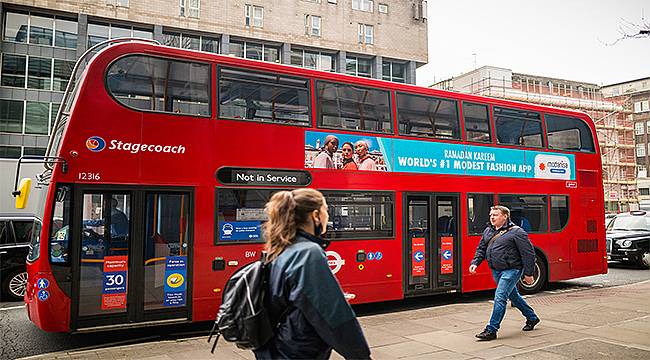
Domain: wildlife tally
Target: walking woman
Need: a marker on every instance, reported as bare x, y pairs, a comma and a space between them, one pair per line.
304, 297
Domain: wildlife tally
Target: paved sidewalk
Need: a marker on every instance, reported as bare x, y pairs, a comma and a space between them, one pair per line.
606, 323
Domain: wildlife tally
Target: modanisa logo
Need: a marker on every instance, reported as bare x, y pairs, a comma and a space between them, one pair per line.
95, 144
552, 167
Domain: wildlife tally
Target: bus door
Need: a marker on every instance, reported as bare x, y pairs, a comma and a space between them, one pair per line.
132, 257
432, 244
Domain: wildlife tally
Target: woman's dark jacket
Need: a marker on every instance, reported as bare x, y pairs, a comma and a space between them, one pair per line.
317, 317
511, 250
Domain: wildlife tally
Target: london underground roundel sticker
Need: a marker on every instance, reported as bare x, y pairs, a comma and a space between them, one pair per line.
95, 144
335, 261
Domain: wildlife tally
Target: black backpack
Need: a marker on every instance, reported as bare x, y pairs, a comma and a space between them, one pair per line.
242, 316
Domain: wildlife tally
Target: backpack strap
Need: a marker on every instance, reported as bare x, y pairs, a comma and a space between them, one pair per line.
498, 235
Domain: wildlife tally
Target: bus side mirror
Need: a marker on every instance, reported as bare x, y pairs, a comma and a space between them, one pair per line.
22, 193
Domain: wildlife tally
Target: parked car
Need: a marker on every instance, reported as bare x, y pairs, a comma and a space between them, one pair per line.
609, 218
15, 235
628, 238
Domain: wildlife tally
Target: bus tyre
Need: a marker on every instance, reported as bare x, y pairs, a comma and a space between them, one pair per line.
539, 277
14, 285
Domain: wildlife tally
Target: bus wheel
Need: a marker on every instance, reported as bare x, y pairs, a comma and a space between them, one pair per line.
15, 284
539, 277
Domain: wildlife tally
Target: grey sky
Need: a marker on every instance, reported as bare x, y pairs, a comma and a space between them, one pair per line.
556, 38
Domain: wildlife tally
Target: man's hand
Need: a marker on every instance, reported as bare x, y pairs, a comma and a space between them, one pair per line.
528, 280
472, 269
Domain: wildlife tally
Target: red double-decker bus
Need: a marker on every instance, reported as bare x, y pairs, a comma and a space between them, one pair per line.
162, 160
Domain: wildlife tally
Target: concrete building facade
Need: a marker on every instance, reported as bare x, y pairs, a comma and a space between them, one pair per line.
613, 119
41, 40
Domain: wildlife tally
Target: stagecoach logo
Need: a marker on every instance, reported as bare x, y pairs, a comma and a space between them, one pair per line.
335, 261
552, 167
95, 144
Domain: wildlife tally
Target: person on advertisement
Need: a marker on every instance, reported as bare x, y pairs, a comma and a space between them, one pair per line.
509, 253
347, 150
299, 280
324, 160
365, 161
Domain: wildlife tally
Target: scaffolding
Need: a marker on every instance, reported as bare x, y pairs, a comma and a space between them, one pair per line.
612, 117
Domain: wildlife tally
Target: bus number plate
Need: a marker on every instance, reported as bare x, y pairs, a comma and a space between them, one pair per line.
89, 176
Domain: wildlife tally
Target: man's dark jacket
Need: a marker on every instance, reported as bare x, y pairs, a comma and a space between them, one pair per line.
318, 316
511, 250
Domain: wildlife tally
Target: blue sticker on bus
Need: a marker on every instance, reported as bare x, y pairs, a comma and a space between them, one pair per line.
43, 295
114, 282
378, 255
240, 230
418, 256
370, 256
175, 280
43, 283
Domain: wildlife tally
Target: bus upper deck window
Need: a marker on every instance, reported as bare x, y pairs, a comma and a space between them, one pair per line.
567, 133
157, 84
518, 127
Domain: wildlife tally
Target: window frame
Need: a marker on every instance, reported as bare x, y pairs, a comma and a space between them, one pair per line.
550, 210
490, 122
217, 99
542, 127
593, 137
432, 137
211, 98
217, 241
467, 195
390, 106
546, 212
393, 197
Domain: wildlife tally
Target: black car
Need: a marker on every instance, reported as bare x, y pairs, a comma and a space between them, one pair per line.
15, 235
628, 238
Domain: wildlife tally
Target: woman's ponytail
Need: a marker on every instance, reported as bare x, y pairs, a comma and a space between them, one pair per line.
287, 210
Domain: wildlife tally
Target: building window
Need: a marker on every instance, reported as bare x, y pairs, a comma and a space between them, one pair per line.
313, 60
11, 116
118, 3
637, 107
254, 15
192, 42
393, 71
39, 73
312, 25
358, 66
13, 70
190, 8
644, 191
37, 116
362, 5
638, 128
9, 152
255, 51
366, 34
101, 32
383, 8
40, 30
61, 75
640, 150
642, 171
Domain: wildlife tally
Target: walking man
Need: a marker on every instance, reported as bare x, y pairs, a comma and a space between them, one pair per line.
509, 252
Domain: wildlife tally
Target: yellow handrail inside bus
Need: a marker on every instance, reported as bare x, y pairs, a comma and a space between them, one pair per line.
147, 262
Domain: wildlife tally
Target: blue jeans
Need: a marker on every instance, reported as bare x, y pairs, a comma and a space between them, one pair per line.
507, 289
